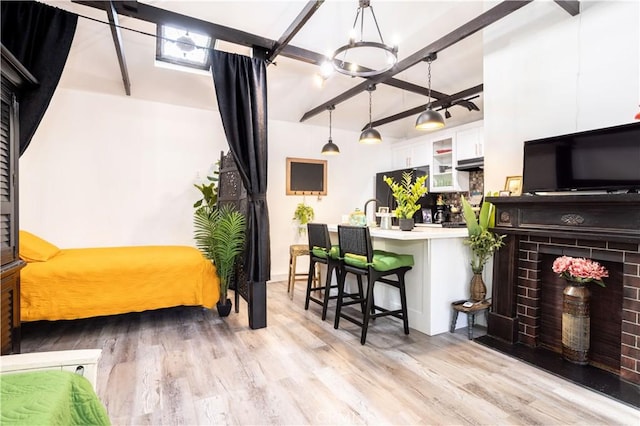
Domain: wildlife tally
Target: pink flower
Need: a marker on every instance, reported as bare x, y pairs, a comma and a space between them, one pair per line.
580, 270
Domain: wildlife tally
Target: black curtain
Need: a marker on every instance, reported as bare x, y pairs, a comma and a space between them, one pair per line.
241, 89
39, 36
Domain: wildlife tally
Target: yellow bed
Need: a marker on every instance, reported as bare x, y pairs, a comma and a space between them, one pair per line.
81, 283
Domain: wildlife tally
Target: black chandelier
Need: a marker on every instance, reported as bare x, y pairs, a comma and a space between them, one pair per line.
360, 58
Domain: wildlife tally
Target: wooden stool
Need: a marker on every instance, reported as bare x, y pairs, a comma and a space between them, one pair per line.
296, 250
471, 312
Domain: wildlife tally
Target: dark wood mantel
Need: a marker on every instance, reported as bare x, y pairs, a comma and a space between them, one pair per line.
604, 227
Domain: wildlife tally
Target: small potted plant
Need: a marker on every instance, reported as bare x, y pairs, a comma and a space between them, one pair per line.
303, 215
483, 243
220, 236
407, 194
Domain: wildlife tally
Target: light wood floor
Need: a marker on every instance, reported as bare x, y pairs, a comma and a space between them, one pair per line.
188, 366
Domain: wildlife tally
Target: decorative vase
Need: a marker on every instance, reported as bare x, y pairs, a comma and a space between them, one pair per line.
406, 224
576, 323
224, 309
478, 289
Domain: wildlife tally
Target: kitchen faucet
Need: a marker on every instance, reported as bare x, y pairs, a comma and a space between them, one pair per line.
367, 203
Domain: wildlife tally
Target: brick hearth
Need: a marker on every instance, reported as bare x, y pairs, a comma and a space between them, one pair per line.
527, 295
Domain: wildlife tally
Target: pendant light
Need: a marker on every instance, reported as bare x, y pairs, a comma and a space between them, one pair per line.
330, 148
430, 119
376, 57
370, 136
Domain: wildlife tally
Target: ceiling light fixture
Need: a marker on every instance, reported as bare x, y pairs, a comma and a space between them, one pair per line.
370, 136
375, 57
330, 148
430, 119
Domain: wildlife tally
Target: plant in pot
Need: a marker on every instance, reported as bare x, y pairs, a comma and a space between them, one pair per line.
407, 194
303, 215
209, 190
220, 235
483, 243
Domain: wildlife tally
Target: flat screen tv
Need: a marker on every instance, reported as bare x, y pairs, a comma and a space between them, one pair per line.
597, 160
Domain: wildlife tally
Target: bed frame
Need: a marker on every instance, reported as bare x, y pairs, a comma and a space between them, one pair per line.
83, 362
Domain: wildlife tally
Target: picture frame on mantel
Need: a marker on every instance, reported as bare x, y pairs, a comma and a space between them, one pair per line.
513, 184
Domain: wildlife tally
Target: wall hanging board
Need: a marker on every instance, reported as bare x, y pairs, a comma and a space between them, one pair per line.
306, 176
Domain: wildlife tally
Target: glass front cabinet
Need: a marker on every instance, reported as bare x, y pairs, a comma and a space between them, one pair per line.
444, 176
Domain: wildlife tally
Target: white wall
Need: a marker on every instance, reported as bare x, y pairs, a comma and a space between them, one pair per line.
105, 170
547, 73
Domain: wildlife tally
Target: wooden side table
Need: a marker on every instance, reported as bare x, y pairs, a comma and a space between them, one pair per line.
471, 311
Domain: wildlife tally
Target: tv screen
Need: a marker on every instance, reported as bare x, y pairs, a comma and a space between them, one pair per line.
599, 160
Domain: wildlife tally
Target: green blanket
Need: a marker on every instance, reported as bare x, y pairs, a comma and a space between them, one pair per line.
49, 398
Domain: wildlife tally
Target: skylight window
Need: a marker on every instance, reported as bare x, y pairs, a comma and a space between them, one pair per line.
183, 47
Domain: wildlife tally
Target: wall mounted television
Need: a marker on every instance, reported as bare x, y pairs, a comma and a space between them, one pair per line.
605, 160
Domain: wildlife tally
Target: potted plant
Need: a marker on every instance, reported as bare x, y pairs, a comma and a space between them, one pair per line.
209, 190
483, 243
407, 195
303, 215
220, 236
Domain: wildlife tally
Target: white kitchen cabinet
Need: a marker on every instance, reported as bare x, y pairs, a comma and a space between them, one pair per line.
469, 143
444, 176
411, 155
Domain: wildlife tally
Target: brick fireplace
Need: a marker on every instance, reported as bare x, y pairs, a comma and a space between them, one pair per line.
527, 295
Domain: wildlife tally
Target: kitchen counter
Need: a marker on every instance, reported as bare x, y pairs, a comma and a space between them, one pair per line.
441, 274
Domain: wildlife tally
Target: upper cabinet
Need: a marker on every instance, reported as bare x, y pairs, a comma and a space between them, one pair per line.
414, 154
444, 176
470, 143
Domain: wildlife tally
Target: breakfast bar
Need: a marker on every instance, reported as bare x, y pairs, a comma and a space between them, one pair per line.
440, 276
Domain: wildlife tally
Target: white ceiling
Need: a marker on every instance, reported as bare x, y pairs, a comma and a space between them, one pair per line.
292, 88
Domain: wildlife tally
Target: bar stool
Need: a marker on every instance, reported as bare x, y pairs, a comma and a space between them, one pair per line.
359, 258
321, 252
296, 250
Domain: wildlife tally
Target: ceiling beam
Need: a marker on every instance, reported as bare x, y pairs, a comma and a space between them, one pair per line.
117, 41
417, 110
307, 12
156, 15
481, 21
571, 6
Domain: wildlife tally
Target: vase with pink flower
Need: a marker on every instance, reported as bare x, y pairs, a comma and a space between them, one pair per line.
576, 319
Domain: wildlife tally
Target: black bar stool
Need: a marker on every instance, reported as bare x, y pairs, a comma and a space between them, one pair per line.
321, 251
358, 257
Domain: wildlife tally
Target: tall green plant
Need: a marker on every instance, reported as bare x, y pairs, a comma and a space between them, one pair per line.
483, 243
220, 235
407, 194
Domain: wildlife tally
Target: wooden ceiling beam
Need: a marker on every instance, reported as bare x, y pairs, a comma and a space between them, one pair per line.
307, 12
571, 6
117, 41
481, 21
417, 110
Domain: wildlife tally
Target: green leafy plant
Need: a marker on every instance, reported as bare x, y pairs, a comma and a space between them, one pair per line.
407, 194
483, 243
303, 214
209, 190
220, 235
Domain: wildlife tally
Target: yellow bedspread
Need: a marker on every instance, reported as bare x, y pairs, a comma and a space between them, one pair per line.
83, 283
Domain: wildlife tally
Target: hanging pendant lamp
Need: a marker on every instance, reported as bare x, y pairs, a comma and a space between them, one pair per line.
430, 119
330, 148
361, 58
370, 136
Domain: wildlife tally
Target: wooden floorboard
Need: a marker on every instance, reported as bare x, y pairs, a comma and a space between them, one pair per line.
188, 366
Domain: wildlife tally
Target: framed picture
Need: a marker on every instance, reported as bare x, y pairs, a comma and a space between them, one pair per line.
514, 185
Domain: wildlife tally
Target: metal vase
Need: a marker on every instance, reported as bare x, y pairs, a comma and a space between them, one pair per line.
576, 322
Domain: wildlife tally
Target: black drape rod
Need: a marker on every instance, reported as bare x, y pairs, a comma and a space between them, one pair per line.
134, 30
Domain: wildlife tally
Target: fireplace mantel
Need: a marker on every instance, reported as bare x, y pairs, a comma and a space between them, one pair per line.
604, 227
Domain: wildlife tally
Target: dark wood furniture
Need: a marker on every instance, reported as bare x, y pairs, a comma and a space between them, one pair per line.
14, 78
526, 294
